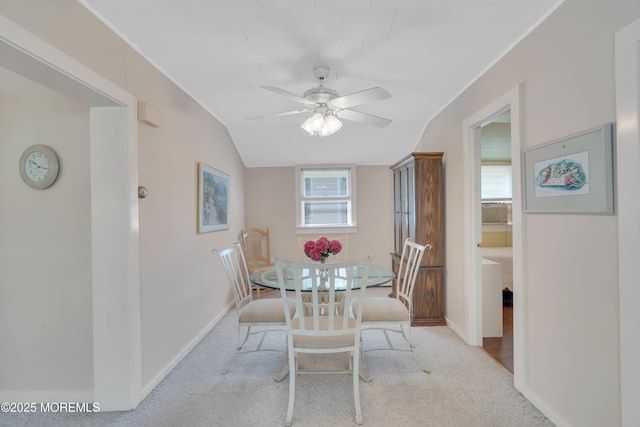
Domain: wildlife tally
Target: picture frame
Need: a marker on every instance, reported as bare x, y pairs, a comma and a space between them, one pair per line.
213, 199
573, 175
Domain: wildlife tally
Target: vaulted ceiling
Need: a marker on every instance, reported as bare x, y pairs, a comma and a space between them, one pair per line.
423, 52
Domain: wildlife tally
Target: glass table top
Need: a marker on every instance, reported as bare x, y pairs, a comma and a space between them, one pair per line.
378, 275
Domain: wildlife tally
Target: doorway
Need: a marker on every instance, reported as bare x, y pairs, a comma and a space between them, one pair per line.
472, 126
496, 185
112, 139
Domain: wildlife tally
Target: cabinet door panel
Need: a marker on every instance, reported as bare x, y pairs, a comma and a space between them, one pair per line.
411, 203
404, 201
397, 206
428, 298
429, 202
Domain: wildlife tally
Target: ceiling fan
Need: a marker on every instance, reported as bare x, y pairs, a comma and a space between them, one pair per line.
327, 107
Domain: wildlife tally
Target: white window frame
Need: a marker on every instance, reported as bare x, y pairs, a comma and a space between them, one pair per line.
499, 199
316, 229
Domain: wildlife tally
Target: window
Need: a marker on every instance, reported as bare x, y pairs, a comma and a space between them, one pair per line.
325, 198
496, 182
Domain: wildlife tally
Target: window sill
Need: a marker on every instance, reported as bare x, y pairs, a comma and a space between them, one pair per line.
347, 229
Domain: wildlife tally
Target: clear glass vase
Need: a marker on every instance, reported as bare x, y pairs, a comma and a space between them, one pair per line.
324, 272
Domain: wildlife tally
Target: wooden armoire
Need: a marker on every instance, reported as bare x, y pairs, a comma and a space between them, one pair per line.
419, 215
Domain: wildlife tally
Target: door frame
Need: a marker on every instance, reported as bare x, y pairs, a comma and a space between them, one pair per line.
511, 100
115, 260
627, 70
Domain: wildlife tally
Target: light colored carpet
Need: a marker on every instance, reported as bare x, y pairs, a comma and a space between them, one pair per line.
215, 386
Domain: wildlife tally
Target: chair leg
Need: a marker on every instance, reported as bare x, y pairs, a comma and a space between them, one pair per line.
246, 337
356, 387
362, 371
407, 336
409, 339
292, 390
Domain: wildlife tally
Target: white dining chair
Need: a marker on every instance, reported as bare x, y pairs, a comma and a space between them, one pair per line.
393, 314
251, 312
320, 326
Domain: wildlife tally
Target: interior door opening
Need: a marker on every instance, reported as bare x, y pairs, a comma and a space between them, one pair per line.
497, 251
509, 101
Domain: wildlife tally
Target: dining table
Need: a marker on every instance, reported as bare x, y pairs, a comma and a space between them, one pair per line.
378, 275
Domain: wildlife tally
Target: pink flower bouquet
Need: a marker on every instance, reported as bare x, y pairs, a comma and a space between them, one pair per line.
321, 248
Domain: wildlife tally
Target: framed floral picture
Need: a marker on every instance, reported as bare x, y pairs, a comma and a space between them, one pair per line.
213, 199
571, 175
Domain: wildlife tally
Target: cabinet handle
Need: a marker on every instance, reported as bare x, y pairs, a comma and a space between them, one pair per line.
480, 244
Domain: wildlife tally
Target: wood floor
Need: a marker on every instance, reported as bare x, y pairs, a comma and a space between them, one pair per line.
501, 348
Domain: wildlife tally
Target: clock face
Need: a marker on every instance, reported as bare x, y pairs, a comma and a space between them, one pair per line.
39, 166
36, 166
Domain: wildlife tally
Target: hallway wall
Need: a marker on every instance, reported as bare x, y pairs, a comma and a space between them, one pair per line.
45, 244
183, 289
570, 294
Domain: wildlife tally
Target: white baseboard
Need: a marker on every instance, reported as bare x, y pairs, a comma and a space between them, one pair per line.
456, 329
553, 416
157, 379
526, 392
37, 397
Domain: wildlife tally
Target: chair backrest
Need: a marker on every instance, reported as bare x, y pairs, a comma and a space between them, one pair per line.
318, 301
323, 303
237, 274
340, 257
408, 270
256, 247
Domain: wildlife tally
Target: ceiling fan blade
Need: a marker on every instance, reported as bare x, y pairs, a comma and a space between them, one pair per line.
357, 116
286, 113
366, 96
289, 95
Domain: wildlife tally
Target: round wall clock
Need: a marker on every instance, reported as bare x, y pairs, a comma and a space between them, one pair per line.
39, 166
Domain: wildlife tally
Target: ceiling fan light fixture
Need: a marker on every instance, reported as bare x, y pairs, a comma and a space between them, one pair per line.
322, 124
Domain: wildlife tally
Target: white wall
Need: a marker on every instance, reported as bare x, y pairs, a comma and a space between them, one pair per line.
45, 244
270, 202
183, 290
570, 290
180, 278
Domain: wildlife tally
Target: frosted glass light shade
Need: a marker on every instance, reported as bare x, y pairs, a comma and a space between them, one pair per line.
332, 124
322, 125
313, 124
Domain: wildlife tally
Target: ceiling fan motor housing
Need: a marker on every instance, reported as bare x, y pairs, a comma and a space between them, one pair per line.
320, 94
